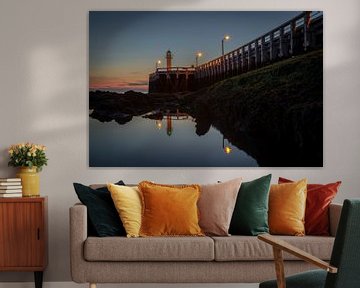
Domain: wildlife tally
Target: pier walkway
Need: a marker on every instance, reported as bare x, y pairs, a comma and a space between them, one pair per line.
299, 35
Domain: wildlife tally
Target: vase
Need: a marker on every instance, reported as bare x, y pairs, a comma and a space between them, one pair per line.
30, 181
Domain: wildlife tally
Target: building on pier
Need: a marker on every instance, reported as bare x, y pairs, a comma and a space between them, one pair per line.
172, 79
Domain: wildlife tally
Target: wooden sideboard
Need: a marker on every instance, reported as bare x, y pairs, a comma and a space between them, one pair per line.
23, 235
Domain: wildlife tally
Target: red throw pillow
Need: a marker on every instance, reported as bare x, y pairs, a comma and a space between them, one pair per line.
319, 197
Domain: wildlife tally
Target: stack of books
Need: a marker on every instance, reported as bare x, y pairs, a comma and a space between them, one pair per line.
10, 187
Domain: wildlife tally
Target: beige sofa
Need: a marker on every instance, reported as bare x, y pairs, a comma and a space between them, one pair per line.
234, 259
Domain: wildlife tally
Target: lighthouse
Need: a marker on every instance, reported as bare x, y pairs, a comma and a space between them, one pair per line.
170, 79
168, 60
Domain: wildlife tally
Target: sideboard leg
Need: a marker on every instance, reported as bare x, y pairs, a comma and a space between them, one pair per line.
38, 279
92, 285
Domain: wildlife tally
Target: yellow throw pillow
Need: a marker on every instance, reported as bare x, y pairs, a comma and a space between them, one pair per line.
169, 210
127, 201
287, 204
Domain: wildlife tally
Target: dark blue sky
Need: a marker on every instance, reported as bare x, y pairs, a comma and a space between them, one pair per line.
125, 45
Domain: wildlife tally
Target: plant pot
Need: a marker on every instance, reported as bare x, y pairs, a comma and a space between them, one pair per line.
30, 181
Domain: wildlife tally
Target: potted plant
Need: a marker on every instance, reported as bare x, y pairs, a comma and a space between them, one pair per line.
30, 158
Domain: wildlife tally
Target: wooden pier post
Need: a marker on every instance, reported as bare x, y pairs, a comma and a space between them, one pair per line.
272, 54
281, 42
257, 64
306, 30
249, 57
292, 31
263, 50
241, 63
243, 59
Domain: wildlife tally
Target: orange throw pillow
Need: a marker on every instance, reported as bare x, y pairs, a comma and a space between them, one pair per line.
169, 210
319, 197
287, 204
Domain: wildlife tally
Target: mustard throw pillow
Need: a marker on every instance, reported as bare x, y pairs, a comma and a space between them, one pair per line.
127, 201
169, 210
287, 204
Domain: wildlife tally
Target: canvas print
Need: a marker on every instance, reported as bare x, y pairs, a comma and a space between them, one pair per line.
205, 89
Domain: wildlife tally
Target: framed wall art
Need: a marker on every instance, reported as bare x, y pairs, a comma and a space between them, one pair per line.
206, 89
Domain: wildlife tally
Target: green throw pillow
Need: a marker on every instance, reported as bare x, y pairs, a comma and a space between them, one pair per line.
103, 218
250, 215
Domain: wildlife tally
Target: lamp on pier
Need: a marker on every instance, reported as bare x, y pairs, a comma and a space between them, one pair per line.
157, 64
226, 146
226, 38
158, 123
198, 55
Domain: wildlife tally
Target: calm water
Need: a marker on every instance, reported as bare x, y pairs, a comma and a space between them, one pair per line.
145, 142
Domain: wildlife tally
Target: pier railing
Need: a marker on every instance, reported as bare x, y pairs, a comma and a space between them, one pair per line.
174, 70
298, 35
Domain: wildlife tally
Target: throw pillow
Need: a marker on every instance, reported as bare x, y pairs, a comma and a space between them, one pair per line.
250, 215
287, 204
169, 210
319, 197
102, 215
127, 201
216, 206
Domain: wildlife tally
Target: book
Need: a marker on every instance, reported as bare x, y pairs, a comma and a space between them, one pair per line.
10, 191
10, 180
4, 195
10, 183
11, 187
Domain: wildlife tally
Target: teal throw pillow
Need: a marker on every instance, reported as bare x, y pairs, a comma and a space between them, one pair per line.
250, 216
103, 219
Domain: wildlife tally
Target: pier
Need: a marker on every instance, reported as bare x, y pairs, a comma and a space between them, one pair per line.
172, 79
299, 35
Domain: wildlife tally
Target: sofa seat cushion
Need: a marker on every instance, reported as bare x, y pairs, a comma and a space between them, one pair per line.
244, 248
149, 249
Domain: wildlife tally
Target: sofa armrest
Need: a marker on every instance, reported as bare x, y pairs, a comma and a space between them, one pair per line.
334, 217
78, 235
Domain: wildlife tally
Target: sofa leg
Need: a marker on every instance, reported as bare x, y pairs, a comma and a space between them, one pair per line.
92, 285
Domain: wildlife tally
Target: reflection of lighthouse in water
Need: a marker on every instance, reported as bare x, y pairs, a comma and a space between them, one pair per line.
169, 128
170, 117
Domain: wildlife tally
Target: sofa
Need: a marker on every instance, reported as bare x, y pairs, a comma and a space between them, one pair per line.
233, 259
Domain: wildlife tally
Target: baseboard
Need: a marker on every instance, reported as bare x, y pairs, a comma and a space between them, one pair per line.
74, 285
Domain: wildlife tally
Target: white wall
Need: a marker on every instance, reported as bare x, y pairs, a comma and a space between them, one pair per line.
44, 99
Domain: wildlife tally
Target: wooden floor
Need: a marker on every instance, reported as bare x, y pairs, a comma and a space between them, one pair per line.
74, 285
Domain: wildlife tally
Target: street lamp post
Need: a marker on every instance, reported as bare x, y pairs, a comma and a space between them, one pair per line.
158, 62
226, 38
198, 55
